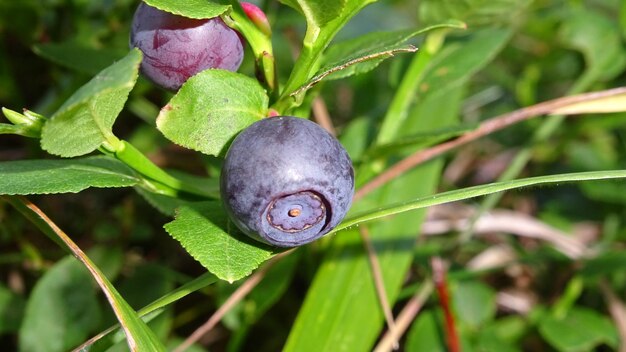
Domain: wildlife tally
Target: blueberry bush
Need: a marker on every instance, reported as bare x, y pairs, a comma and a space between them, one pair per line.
299, 175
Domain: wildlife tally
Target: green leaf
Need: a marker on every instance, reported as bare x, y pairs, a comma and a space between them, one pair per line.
138, 334
601, 60
165, 204
598, 38
77, 56
148, 282
487, 342
364, 53
11, 310
318, 12
210, 109
477, 191
455, 65
342, 69
426, 334
109, 258
205, 231
62, 309
509, 329
475, 303
622, 18
581, 330
274, 284
86, 119
474, 12
352, 137
315, 41
604, 264
190, 8
64, 176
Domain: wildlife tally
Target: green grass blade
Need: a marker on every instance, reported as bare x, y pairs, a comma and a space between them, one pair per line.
477, 191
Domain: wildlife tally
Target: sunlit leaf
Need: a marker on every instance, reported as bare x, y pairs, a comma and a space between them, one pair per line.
85, 120
210, 109
190, 8
205, 231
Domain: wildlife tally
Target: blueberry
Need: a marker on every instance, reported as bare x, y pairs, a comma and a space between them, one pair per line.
176, 48
286, 181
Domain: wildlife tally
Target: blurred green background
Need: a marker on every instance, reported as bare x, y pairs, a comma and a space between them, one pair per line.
531, 296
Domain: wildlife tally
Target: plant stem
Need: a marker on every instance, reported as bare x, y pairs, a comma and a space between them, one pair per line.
379, 283
315, 42
441, 285
305, 67
406, 317
260, 43
132, 157
617, 308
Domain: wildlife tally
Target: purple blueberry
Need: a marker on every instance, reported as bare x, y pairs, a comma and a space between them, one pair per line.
286, 181
176, 48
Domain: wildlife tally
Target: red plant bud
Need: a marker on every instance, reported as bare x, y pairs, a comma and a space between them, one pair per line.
256, 15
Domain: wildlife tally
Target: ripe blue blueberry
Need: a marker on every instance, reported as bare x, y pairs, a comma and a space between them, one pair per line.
176, 48
286, 181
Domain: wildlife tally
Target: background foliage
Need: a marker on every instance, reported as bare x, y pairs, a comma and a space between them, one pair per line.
537, 269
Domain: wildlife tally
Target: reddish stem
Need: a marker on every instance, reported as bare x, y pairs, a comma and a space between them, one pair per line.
441, 285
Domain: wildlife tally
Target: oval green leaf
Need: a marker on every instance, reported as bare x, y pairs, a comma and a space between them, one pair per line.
62, 309
86, 119
210, 109
205, 231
